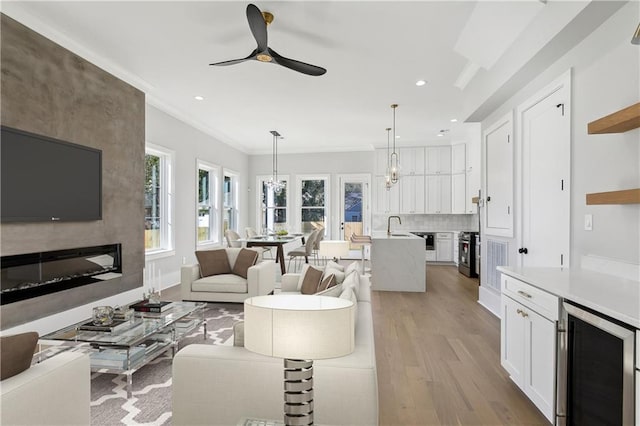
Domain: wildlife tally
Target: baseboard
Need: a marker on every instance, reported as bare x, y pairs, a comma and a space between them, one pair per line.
490, 300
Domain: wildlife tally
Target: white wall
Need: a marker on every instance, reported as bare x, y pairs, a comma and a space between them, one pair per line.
606, 78
190, 144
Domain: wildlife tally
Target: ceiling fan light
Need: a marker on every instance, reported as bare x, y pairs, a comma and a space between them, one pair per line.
263, 57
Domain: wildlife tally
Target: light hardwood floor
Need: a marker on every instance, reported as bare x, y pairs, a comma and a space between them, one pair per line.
438, 358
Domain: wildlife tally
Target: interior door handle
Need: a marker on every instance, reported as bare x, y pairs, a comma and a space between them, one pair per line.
522, 250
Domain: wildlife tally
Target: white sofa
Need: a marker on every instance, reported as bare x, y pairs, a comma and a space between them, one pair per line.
56, 391
219, 385
261, 280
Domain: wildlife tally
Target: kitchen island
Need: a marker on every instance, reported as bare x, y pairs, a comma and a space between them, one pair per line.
398, 262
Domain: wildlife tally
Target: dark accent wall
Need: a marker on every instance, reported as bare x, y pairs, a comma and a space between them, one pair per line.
51, 91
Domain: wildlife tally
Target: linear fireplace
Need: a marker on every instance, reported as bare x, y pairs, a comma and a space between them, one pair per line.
25, 276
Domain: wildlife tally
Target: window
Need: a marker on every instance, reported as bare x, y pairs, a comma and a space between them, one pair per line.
207, 208
158, 200
231, 215
314, 196
273, 205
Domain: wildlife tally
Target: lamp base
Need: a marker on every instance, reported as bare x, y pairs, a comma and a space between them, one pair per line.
298, 392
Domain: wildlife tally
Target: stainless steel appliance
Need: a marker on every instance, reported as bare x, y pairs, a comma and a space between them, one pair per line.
595, 384
430, 244
467, 253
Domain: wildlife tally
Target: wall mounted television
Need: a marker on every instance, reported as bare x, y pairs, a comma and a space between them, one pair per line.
44, 179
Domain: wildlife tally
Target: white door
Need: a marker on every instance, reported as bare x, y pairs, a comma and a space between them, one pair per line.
540, 362
546, 143
354, 210
499, 178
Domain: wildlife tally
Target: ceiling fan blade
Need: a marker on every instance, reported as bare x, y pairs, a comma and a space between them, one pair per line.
299, 66
258, 26
236, 61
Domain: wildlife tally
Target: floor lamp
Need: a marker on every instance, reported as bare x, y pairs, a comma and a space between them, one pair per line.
300, 329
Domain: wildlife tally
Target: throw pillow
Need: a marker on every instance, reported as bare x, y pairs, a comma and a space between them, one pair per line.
328, 281
352, 267
310, 281
339, 274
334, 291
352, 281
246, 259
16, 352
213, 262
334, 265
303, 273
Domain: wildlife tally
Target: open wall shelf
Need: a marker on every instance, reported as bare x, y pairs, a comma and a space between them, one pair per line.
627, 196
619, 122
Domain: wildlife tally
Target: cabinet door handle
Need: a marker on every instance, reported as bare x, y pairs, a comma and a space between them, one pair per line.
523, 313
522, 293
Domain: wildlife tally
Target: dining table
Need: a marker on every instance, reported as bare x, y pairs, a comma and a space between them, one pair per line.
277, 241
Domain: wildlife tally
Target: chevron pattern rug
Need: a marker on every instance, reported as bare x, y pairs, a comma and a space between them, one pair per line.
150, 403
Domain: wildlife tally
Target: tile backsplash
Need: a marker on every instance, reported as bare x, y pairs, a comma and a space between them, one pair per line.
428, 222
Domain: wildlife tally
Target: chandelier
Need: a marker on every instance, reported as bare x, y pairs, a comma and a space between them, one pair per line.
274, 183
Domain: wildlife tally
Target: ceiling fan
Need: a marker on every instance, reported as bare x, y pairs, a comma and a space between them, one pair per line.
258, 22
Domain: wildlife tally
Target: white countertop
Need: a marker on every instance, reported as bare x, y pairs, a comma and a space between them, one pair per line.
395, 235
616, 297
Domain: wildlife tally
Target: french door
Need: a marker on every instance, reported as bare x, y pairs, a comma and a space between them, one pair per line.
354, 212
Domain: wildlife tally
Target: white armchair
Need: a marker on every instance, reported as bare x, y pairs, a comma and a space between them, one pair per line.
261, 280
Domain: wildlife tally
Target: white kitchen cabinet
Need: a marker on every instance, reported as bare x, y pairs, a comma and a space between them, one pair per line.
438, 194
438, 160
412, 194
411, 161
459, 158
528, 341
444, 247
459, 193
386, 202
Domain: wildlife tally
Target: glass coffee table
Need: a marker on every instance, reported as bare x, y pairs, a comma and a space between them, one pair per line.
134, 344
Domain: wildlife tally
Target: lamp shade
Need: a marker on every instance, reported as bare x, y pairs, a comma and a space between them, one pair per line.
299, 326
333, 248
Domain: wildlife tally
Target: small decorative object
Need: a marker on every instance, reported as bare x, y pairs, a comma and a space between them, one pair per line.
281, 232
154, 296
123, 313
103, 315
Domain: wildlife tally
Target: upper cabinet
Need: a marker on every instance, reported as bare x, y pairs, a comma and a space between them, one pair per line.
411, 161
459, 158
498, 178
438, 160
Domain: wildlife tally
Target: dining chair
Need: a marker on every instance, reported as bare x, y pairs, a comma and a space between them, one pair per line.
305, 251
252, 233
232, 238
316, 245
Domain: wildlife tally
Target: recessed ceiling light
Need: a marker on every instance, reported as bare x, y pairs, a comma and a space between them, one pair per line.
198, 98
454, 120
420, 83
397, 136
440, 134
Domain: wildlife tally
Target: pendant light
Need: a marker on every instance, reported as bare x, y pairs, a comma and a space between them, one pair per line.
395, 175
387, 176
274, 183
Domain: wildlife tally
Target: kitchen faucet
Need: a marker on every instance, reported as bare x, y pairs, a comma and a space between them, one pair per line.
389, 223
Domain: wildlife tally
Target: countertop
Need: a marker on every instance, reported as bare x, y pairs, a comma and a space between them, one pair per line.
395, 235
616, 297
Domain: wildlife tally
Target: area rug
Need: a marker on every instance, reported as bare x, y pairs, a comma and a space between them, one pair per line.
150, 403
